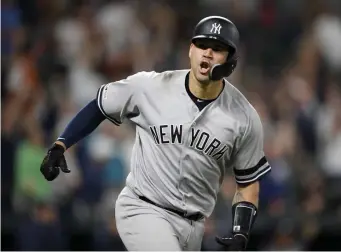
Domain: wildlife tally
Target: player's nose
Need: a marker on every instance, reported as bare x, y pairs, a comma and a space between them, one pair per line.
208, 53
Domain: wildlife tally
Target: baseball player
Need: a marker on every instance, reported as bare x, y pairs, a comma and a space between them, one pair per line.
192, 126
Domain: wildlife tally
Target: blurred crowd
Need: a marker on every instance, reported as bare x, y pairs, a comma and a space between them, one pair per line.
55, 55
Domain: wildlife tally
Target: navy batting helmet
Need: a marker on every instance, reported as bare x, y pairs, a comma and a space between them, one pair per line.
224, 31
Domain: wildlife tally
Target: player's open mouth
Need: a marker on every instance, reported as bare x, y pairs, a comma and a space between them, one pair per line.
204, 67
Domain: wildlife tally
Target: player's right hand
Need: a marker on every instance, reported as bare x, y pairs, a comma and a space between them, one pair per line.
53, 162
234, 243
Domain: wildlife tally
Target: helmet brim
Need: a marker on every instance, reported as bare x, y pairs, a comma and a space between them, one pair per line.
230, 46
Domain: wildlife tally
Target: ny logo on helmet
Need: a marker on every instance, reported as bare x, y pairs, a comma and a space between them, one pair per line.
216, 28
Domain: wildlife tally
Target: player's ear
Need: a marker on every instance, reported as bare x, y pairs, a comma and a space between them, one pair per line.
190, 50
227, 55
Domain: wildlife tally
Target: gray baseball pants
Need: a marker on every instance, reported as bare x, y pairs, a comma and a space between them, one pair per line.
143, 226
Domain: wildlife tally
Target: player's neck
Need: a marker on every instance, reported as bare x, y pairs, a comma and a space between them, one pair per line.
207, 91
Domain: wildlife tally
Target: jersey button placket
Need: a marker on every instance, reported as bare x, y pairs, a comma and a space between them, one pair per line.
195, 111
182, 181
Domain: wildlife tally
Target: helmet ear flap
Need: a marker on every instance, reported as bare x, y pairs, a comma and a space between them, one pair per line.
220, 71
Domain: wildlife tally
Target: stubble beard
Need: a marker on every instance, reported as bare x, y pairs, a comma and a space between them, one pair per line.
202, 79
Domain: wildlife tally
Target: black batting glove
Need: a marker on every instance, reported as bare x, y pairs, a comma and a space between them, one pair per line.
237, 242
53, 162
244, 214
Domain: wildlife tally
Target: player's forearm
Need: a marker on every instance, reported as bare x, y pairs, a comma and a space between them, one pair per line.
85, 122
248, 193
244, 209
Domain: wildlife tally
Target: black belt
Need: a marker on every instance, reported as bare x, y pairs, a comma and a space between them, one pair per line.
192, 217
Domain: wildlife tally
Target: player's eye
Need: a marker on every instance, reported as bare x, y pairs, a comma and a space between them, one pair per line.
215, 47
218, 48
201, 46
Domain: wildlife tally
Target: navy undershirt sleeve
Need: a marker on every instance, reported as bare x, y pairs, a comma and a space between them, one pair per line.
86, 121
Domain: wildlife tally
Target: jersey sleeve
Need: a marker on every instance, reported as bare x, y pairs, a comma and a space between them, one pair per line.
118, 100
250, 163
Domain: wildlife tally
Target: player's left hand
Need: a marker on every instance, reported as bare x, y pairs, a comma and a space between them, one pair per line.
237, 242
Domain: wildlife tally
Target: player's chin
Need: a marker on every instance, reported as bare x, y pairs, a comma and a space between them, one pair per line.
203, 78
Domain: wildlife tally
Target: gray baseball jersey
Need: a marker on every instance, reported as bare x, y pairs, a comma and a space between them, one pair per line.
181, 154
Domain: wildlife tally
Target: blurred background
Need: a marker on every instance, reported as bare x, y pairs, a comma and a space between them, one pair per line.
56, 53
